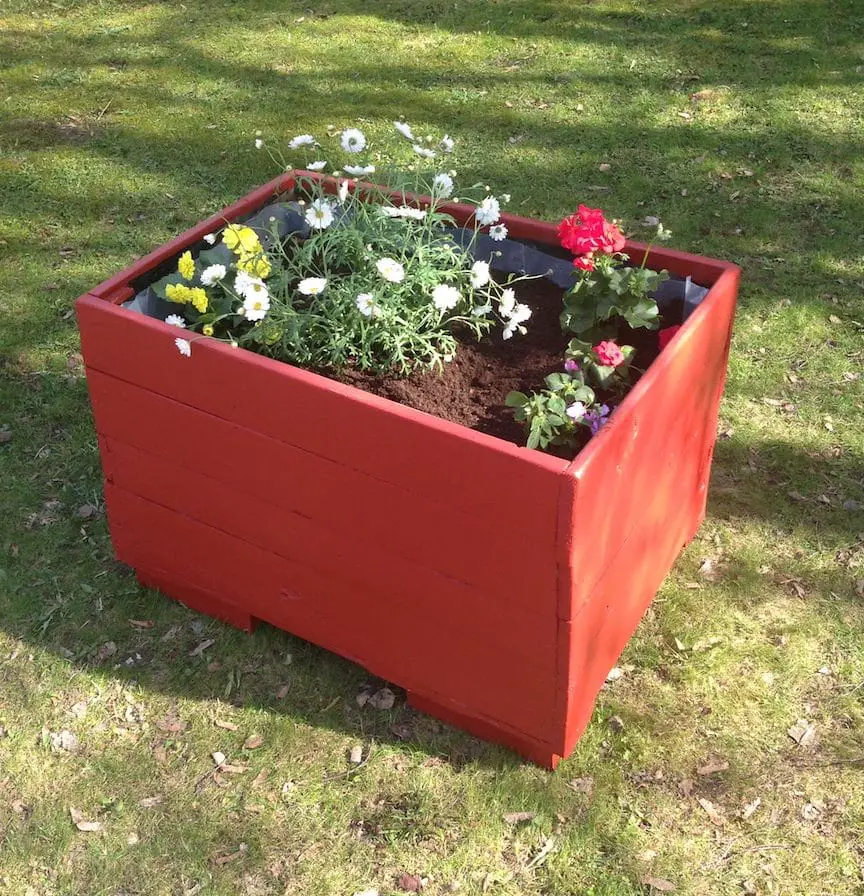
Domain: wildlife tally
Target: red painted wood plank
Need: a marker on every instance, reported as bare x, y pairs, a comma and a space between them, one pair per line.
444, 709
592, 642
657, 443
438, 658
361, 559
387, 440
472, 547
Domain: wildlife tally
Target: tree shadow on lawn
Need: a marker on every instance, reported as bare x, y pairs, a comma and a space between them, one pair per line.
644, 151
75, 608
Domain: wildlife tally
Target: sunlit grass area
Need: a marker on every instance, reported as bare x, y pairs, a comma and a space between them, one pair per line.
739, 125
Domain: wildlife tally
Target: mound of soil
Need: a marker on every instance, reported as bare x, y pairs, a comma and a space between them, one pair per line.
471, 389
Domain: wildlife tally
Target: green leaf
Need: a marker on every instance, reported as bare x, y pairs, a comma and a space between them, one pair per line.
516, 399
533, 439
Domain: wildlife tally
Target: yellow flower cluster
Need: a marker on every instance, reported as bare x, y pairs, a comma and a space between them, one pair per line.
186, 266
244, 243
241, 240
183, 295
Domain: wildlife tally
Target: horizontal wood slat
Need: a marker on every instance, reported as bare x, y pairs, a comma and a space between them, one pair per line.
389, 441
435, 658
357, 560
474, 548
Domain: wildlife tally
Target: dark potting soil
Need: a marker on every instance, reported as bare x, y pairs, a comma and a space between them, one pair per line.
472, 388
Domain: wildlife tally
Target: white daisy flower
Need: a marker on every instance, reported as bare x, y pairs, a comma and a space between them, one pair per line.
479, 274
184, 346
367, 305
256, 307
423, 151
506, 302
209, 238
243, 282
353, 140
301, 140
404, 129
316, 166
518, 315
505, 198
259, 143
447, 143
444, 297
319, 215
442, 185
174, 320
390, 270
488, 212
342, 193
403, 211
498, 232
359, 170
312, 286
213, 274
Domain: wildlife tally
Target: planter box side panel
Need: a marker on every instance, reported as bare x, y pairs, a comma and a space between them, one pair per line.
639, 495
656, 447
360, 562
596, 638
430, 658
385, 440
385, 519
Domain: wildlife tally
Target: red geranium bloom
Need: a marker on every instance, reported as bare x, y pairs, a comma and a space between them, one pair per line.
584, 262
608, 354
588, 231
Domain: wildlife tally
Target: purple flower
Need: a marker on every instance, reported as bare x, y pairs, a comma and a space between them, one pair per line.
576, 411
595, 418
571, 366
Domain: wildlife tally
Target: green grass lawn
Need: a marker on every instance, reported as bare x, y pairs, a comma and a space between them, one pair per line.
740, 125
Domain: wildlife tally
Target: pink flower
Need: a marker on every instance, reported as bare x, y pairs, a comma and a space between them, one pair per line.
584, 262
571, 366
608, 354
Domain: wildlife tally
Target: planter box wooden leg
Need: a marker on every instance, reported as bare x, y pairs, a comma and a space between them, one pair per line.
534, 751
199, 600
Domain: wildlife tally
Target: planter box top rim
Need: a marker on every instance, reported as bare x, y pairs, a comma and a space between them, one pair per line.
116, 290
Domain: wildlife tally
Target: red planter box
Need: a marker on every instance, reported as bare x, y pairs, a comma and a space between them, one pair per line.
496, 584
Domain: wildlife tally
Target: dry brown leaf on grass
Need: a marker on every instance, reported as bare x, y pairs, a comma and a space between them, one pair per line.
253, 742
713, 766
228, 726
223, 858
715, 814
409, 883
519, 817
80, 822
582, 785
750, 808
803, 733
659, 883
150, 801
139, 623
64, 740
382, 699
202, 646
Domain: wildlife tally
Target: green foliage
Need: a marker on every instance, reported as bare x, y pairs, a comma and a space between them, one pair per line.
611, 291
544, 414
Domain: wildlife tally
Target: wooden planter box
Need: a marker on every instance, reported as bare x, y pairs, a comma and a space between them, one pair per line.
497, 585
